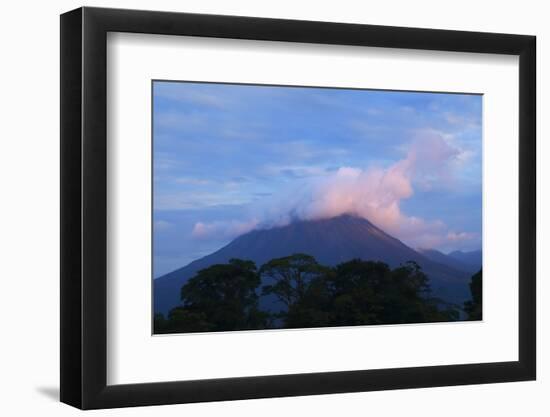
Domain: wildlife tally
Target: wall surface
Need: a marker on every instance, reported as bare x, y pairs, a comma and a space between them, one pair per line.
29, 225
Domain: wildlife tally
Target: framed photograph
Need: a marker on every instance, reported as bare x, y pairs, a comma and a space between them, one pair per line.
257, 208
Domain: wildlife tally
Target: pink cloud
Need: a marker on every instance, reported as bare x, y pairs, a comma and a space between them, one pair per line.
375, 194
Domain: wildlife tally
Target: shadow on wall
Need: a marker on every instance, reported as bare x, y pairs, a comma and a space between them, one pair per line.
50, 392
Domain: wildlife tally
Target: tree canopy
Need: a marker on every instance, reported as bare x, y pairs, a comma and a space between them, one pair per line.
227, 297
473, 307
221, 297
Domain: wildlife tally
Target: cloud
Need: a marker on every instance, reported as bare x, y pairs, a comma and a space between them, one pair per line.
167, 201
446, 240
374, 193
192, 181
462, 121
190, 93
180, 121
220, 230
161, 225
294, 171
462, 236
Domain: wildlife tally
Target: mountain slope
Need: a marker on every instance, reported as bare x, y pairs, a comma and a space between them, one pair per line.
330, 241
473, 258
448, 260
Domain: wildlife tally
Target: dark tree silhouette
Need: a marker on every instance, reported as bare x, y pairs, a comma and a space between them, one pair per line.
289, 276
225, 296
160, 324
341, 296
219, 298
365, 292
473, 308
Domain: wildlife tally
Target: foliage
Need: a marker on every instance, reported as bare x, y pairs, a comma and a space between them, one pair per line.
226, 296
290, 277
473, 308
365, 292
221, 297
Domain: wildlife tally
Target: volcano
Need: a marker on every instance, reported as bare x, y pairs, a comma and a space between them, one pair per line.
330, 241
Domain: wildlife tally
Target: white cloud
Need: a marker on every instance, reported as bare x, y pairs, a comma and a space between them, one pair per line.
375, 194
180, 120
192, 181
220, 230
195, 200
187, 93
160, 225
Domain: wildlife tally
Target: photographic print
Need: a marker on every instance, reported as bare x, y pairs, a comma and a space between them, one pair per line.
279, 207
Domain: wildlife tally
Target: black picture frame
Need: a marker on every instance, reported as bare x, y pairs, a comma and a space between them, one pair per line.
84, 207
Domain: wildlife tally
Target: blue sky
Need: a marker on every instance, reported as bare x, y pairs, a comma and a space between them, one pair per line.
231, 158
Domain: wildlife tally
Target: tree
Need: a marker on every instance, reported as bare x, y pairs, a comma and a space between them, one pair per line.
367, 292
355, 293
225, 297
357, 288
185, 319
473, 308
160, 324
406, 296
221, 297
290, 276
